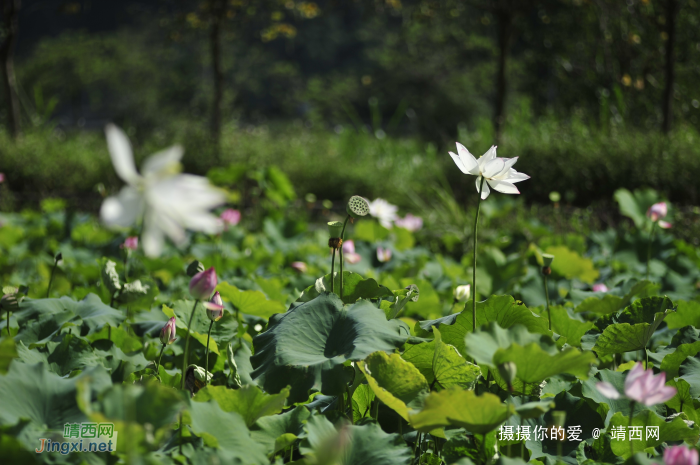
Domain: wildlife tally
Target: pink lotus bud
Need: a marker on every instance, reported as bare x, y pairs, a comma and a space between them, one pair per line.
215, 307
299, 266
383, 255
203, 284
680, 455
349, 252
410, 222
131, 243
600, 287
167, 334
664, 224
657, 211
230, 217
2, 177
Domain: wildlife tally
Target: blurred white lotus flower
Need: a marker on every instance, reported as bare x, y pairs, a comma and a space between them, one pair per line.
383, 211
168, 201
498, 172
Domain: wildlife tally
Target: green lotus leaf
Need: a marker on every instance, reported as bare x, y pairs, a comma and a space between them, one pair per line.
250, 302
361, 402
534, 364
461, 408
672, 362
485, 342
354, 287
635, 205
52, 314
8, 351
268, 430
367, 444
624, 337
690, 371
687, 314
225, 431
502, 309
566, 324
249, 401
570, 264
650, 310
676, 430
307, 346
683, 400
534, 409
46, 399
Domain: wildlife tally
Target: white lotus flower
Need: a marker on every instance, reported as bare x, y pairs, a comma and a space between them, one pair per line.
384, 212
169, 202
498, 172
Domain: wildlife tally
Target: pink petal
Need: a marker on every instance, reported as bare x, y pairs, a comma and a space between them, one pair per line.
608, 390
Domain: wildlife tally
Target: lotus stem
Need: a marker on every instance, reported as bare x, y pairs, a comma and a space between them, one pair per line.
333, 269
8, 322
53, 270
187, 347
158, 364
476, 225
651, 240
546, 296
206, 358
631, 416
340, 253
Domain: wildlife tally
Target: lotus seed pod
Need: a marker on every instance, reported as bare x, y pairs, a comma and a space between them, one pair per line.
357, 206
508, 371
547, 259
335, 229
194, 268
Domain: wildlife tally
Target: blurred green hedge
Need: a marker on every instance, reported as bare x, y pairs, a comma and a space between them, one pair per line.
582, 163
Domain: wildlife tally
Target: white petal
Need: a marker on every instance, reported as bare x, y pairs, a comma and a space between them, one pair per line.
515, 176
123, 209
152, 237
121, 154
488, 156
164, 162
508, 163
469, 161
486, 191
608, 390
459, 163
492, 167
503, 187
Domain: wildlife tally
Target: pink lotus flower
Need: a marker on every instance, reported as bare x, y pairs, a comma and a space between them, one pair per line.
230, 217
131, 243
299, 266
410, 222
215, 307
641, 386
2, 177
600, 287
680, 455
656, 212
203, 284
167, 334
349, 252
383, 255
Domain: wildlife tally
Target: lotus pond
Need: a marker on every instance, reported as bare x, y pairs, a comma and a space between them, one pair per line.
386, 342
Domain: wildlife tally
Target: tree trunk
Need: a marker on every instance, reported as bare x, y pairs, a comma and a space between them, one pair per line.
10, 10
669, 71
505, 26
218, 11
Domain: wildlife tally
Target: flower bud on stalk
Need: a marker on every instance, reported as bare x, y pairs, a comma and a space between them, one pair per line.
508, 371
215, 307
461, 293
203, 284
167, 334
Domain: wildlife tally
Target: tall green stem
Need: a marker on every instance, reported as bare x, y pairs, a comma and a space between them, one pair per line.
8, 322
159, 357
546, 295
187, 346
476, 225
206, 358
651, 240
631, 416
340, 254
333, 269
53, 270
